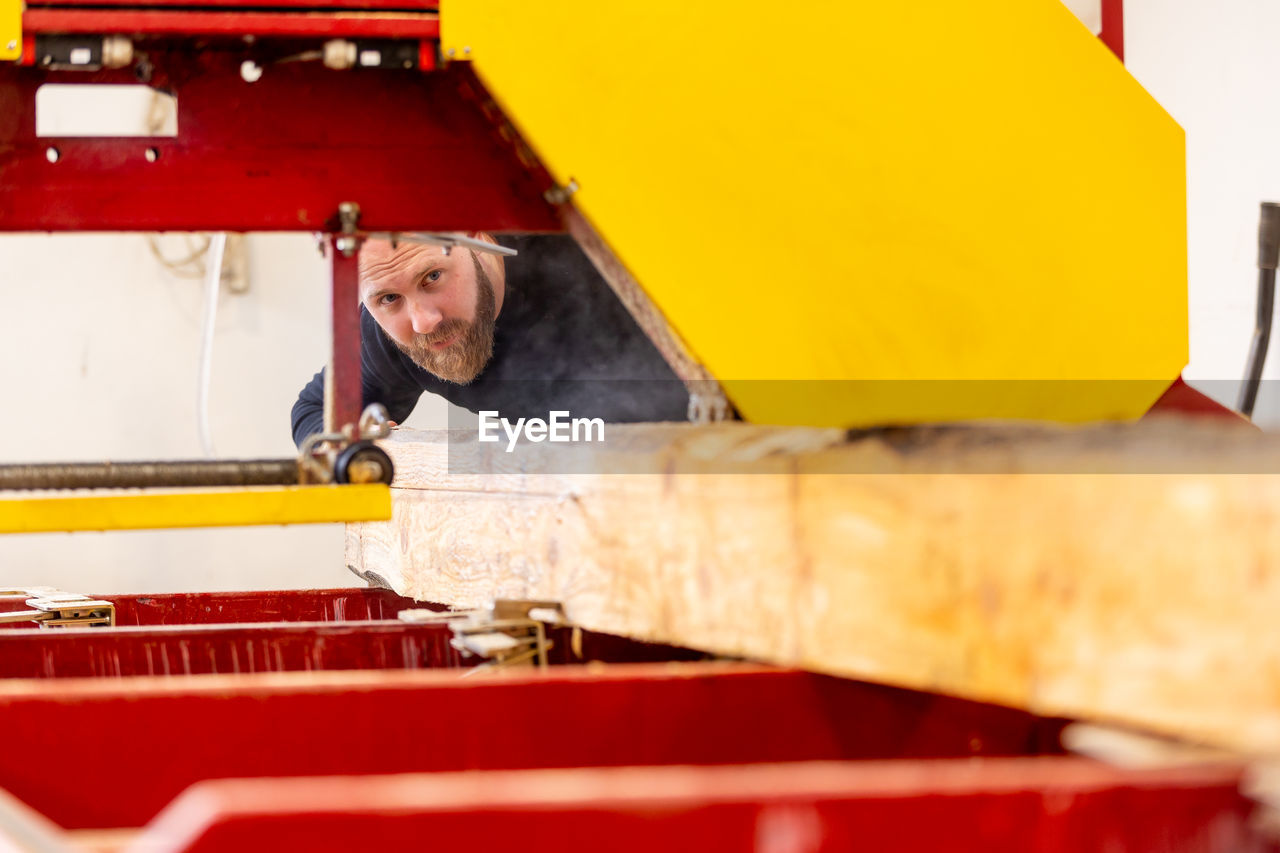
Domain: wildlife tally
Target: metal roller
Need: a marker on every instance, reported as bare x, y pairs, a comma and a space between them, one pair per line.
137, 475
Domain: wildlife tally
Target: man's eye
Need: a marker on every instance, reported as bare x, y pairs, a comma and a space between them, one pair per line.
387, 299
434, 275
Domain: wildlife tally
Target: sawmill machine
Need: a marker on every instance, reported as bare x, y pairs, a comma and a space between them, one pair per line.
836, 216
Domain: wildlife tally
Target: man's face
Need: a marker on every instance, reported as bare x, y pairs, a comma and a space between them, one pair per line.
438, 309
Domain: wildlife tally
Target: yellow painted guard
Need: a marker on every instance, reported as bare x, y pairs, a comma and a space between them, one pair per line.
866, 191
10, 29
204, 508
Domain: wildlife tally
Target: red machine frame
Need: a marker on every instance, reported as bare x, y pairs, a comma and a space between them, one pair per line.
368, 136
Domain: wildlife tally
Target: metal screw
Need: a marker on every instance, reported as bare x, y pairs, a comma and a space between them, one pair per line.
117, 52
152, 154
52, 154
339, 54
466, 50
12, 45
449, 52
560, 195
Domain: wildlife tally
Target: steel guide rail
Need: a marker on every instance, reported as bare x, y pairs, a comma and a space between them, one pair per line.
642, 753
165, 734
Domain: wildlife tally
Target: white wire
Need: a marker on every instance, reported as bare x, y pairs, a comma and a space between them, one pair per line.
213, 282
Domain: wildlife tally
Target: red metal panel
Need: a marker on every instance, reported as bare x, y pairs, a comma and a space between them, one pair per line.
285, 605
281, 647
416, 151
1112, 33
1056, 805
186, 22
165, 734
225, 649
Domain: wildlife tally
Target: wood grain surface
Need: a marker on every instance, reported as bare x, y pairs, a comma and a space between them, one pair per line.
1123, 574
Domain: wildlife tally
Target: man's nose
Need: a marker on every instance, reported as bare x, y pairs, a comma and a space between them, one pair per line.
424, 316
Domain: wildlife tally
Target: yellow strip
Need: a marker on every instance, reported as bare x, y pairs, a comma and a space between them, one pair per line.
10, 29
229, 508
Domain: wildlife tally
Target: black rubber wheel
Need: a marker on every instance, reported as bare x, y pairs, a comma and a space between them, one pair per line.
362, 452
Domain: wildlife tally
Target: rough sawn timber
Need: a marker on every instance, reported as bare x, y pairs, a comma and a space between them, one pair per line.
1125, 574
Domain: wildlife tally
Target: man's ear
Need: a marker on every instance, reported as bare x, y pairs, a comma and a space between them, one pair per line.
493, 264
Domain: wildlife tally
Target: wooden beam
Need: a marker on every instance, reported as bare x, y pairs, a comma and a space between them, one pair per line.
1123, 574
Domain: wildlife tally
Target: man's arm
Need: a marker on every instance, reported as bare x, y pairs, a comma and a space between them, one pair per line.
384, 378
308, 411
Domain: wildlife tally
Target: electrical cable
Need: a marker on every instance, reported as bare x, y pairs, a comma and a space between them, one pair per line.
191, 266
1268, 262
213, 283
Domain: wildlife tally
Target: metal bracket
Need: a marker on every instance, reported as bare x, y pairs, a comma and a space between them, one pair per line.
708, 405
318, 455
561, 194
445, 239
52, 608
348, 218
511, 633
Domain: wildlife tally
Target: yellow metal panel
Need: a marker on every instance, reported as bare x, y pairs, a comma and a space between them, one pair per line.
866, 191
205, 508
10, 29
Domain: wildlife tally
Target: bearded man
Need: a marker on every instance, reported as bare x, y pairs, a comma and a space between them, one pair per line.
543, 335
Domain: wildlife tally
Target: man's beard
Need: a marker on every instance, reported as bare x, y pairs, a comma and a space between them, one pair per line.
461, 361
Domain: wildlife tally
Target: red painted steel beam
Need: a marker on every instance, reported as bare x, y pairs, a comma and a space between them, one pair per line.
214, 647
180, 650
1112, 33
165, 734
284, 605
1044, 804
323, 605
207, 22
225, 649
343, 389
416, 151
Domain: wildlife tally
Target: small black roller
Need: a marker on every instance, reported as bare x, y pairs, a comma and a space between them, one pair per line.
355, 464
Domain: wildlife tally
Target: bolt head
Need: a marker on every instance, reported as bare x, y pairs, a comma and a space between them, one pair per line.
12, 45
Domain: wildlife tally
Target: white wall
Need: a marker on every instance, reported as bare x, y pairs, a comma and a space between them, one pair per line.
99, 359
99, 353
1215, 67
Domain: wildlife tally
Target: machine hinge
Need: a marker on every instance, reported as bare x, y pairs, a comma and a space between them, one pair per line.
52, 608
511, 633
